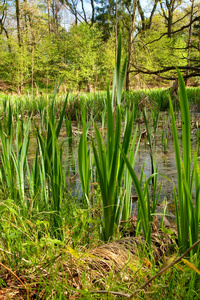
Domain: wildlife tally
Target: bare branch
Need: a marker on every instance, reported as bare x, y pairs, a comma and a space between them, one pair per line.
92, 5
163, 11
83, 9
196, 72
180, 19
176, 31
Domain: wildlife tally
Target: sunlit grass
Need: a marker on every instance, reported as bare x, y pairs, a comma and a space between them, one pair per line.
95, 102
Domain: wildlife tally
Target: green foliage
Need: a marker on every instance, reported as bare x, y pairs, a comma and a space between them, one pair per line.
7, 170
85, 52
127, 208
187, 215
109, 163
83, 159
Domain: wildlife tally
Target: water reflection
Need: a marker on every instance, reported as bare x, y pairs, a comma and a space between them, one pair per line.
165, 162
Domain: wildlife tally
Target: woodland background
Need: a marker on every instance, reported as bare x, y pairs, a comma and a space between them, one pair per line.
40, 40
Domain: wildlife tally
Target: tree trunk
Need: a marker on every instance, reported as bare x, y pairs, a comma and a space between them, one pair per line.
189, 41
130, 43
18, 15
49, 15
141, 16
19, 33
146, 21
168, 12
83, 9
169, 24
130, 40
93, 10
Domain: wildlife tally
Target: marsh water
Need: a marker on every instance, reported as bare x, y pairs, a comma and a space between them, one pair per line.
164, 157
163, 154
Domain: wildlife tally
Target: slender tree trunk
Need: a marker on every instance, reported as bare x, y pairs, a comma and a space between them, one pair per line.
142, 16
83, 9
92, 5
49, 15
2, 22
130, 43
189, 41
6, 32
32, 68
116, 33
76, 19
25, 18
18, 15
19, 33
169, 24
152, 14
116, 42
146, 21
168, 13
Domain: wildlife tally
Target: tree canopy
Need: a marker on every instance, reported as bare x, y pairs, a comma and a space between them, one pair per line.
43, 39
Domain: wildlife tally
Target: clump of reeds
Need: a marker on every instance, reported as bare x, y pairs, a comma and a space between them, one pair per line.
187, 210
108, 160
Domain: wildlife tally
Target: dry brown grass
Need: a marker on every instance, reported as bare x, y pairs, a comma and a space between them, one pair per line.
122, 262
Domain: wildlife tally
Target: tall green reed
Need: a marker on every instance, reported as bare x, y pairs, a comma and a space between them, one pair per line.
84, 159
187, 210
127, 208
155, 118
143, 210
34, 184
13, 171
68, 125
6, 135
147, 200
109, 163
149, 136
20, 160
51, 173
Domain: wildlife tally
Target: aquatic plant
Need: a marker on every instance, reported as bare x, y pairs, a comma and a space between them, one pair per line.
127, 206
20, 161
187, 211
149, 136
51, 160
109, 163
84, 159
68, 125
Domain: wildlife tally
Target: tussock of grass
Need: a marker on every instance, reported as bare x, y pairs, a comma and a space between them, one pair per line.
57, 270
